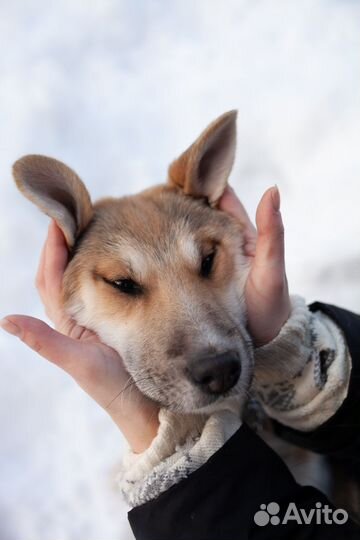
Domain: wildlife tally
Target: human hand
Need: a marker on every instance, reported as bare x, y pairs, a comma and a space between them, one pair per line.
266, 291
97, 368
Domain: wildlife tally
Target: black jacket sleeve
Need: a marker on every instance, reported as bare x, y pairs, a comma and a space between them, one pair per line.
220, 500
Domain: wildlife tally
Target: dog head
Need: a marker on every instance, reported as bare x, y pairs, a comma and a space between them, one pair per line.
160, 275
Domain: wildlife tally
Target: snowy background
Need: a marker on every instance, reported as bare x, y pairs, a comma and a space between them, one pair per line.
116, 89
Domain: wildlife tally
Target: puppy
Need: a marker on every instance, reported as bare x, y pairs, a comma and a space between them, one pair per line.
160, 275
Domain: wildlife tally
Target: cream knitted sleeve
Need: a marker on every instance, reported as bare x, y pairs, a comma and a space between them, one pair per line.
302, 376
182, 445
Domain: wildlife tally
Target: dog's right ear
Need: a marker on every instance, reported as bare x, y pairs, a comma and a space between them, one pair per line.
57, 191
203, 169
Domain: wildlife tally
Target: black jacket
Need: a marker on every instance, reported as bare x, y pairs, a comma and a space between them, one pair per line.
220, 499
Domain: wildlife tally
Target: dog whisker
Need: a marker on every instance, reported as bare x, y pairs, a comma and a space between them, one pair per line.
128, 386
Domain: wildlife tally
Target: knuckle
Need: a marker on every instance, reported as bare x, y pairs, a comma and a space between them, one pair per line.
33, 342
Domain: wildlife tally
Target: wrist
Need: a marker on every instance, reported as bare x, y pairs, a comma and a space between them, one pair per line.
286, 354
265, 325
138, 422
267, 311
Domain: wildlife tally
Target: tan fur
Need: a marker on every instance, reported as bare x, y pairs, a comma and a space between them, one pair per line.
158, 239
180, 313
191, 169
57, 191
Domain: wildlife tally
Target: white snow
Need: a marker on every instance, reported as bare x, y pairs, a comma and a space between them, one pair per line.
117, 89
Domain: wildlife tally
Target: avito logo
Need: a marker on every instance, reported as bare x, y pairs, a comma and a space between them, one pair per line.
319, 515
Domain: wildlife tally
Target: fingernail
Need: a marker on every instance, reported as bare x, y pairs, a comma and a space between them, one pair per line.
10, 327
275, 196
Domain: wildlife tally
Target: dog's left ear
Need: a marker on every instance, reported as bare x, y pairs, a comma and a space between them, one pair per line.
203, 169
57, 191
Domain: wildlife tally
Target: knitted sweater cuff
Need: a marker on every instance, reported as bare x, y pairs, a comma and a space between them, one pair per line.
182, 445
302, 376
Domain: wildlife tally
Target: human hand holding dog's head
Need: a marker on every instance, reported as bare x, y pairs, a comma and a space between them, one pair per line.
266, 292
97, 368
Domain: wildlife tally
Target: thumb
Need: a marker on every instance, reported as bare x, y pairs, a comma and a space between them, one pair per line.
270, 242
59, 349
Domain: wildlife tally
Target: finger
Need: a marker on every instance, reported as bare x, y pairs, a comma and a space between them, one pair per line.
40, 277
270, 241
55, 263
230, 204
55, 347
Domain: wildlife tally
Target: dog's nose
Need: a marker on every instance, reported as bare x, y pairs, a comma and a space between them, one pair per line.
216, 374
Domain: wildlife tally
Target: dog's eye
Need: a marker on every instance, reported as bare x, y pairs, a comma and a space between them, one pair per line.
127, 286
207, 264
